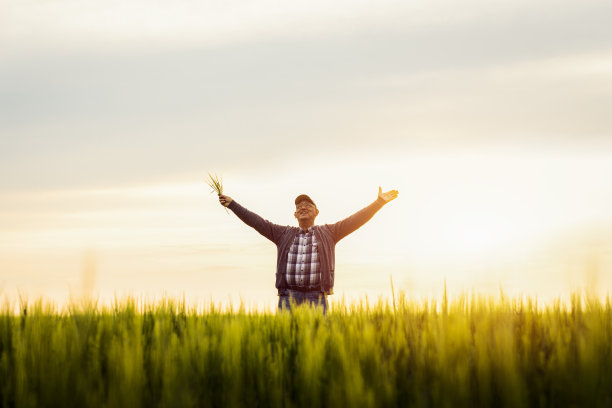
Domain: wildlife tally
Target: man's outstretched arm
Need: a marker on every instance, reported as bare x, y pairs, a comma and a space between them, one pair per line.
342, 228
264, 227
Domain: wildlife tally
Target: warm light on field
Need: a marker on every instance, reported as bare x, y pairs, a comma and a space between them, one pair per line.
484, 282
465, 351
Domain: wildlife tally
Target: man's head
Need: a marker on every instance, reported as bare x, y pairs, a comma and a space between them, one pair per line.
305, 210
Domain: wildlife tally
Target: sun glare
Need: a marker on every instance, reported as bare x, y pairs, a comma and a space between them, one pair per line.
475, 234
451, 219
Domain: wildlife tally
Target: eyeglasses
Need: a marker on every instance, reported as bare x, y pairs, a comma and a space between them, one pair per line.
303, 205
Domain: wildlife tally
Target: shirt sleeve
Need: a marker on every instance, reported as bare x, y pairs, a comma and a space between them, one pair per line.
266, 228
342, 228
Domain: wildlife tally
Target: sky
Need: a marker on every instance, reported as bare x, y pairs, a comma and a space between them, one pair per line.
491, 118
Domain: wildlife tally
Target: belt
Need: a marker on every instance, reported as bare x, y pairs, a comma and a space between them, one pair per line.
303, 289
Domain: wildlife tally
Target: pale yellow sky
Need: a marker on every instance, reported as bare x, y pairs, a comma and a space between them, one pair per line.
490, 118
479, 220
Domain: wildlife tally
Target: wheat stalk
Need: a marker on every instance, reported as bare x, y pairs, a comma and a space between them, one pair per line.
216, 185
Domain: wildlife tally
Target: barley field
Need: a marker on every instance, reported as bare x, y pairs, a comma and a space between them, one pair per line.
467, 351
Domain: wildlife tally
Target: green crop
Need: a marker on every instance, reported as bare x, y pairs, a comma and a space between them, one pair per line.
470, 351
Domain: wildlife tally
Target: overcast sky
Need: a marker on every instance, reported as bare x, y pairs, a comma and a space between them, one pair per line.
99, 92
101, 101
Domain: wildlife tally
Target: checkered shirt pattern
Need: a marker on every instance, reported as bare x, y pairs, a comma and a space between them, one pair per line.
303, 267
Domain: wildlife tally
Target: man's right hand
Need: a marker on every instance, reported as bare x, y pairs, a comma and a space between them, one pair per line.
225, 200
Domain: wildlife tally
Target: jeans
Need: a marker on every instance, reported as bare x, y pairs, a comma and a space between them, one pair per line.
314, 298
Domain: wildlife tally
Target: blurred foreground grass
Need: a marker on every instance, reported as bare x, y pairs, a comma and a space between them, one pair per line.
471, 351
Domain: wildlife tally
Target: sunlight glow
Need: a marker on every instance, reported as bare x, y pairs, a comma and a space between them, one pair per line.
451, 221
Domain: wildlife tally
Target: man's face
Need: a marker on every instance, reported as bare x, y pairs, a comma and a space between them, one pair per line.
305, 211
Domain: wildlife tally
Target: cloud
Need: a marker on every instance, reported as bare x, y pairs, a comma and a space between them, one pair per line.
142, 23
77, 108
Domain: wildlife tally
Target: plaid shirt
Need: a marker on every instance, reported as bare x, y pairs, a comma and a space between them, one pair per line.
303, 267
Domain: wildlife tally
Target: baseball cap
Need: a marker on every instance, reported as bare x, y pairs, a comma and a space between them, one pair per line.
304, 197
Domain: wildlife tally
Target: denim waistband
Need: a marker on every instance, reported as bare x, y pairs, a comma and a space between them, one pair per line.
303, 289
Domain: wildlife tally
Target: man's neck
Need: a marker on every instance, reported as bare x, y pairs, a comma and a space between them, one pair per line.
304, 226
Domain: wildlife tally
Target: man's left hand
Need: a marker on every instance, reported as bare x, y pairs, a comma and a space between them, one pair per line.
388, 196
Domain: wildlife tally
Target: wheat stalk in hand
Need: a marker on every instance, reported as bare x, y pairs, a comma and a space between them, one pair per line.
216, 185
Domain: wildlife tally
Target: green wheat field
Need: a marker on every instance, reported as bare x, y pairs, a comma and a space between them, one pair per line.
467, 351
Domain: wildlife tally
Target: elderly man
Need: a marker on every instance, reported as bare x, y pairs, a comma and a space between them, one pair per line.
306, 259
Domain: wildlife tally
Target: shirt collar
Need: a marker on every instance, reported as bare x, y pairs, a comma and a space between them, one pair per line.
308, 231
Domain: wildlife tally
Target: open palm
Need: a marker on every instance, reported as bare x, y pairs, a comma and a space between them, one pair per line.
388, 196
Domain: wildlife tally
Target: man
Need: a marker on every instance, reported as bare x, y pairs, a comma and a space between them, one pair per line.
305, 255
